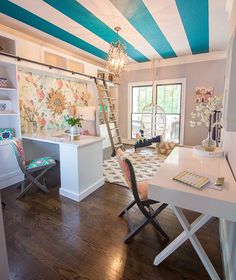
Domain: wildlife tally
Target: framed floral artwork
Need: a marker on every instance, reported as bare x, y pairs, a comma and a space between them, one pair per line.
46, 99
202, 94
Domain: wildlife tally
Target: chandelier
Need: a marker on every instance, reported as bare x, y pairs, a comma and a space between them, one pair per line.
117, 57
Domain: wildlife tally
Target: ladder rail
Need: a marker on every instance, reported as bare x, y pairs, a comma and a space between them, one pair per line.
112, 111
113, 114
114, 132
100, 95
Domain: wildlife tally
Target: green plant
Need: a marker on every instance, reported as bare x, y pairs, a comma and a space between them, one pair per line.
72, 121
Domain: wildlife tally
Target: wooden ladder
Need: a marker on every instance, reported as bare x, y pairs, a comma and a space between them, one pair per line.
105, 100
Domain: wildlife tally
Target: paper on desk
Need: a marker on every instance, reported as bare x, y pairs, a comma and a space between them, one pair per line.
214, 187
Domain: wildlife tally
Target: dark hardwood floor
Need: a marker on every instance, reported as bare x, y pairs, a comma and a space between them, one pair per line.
51, 237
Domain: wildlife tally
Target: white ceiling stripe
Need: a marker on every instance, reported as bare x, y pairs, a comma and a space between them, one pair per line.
167, 17
48, 13
107, 13
217, 25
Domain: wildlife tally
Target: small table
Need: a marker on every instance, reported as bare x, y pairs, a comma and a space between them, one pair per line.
208, 201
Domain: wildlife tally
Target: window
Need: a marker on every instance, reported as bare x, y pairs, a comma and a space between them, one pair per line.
168, 96
141, 96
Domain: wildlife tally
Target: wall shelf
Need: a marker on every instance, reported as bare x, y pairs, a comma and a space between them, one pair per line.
9, 118
7, 89
7, 45
63, 62
8, 114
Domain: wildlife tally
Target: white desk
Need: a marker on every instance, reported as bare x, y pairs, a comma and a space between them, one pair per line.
10, 172
209, 202
81, 169
3, 251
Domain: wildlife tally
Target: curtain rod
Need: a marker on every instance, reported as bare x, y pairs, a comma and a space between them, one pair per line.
18, 58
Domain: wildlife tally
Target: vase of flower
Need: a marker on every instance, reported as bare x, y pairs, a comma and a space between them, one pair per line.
74, 130
74, 123
209, 144
210, 114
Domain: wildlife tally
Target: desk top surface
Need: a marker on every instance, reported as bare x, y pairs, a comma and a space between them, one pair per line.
217, 203
60, 137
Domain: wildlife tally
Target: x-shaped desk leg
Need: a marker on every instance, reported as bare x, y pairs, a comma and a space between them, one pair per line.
189, 233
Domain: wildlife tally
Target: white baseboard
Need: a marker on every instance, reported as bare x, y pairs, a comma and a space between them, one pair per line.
92, 188
225, 249
80, 196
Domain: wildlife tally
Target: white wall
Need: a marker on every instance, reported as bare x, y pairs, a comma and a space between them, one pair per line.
203, 73
228, 229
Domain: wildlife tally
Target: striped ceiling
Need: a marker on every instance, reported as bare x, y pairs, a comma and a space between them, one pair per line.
150, 28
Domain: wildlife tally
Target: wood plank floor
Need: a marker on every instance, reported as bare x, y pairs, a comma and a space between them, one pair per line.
50, 237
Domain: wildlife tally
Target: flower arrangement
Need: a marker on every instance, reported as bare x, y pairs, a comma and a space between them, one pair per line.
73, 120
208, 113
203, 112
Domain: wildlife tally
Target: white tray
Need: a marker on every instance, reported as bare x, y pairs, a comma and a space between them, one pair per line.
199, 151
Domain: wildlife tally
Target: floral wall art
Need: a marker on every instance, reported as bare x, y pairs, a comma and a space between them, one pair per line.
47, 99
202, 94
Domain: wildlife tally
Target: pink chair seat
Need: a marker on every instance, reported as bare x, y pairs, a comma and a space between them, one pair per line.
140, 192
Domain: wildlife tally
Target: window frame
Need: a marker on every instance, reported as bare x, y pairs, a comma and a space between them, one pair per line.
173, 114
131, 108
154, 84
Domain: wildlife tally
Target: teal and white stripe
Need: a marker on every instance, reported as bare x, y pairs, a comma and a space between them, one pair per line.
163, 28
194, 15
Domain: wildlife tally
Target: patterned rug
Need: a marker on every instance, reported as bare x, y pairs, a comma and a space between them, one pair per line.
145, 163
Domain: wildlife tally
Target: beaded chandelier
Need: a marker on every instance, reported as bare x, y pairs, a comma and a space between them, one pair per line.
117, 57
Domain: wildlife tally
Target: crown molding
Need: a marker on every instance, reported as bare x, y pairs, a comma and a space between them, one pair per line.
229, 7
217, 55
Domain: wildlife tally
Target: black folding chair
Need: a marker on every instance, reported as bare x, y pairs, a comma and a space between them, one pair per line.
33, 170
139, 192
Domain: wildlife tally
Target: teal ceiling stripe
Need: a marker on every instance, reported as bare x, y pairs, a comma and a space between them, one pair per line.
195, 18
84, 17
139, 16
16, 12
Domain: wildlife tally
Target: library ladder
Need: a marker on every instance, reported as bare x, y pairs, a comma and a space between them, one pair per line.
109, 117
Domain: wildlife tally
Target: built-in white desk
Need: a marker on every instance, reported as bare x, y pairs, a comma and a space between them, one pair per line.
209, 202
81, 169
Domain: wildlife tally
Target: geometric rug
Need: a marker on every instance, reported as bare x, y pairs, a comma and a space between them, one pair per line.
145, 163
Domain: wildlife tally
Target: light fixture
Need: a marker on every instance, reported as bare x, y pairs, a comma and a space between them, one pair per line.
117, 57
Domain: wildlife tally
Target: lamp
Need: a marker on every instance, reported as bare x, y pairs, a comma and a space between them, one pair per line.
117, 57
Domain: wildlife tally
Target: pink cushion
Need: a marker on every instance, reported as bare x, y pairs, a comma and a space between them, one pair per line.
20, 150
124, 166
143, 189
142, 186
